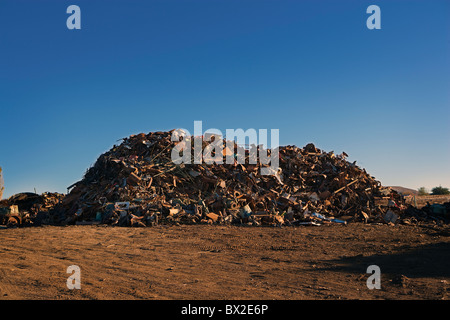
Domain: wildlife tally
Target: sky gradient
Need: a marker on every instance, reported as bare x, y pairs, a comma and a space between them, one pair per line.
311, 69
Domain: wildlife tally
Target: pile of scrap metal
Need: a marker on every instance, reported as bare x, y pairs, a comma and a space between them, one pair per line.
436, 213
136, 183
26, 209
2, 184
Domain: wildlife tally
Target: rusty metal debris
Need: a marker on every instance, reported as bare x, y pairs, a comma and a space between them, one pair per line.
2, 187
436, 213
311, 185
26, 209
137, 184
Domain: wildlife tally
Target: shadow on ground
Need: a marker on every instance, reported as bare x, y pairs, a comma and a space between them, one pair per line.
428, 261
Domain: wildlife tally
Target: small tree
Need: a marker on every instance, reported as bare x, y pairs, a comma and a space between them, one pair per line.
439, 190
422, 191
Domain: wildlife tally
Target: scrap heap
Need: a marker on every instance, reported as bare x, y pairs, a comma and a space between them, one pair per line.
27, 208
1, 184
137, 184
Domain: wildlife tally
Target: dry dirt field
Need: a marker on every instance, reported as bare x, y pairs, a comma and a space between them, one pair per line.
226, 262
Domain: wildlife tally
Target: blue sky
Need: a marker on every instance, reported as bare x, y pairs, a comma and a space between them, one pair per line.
311, 69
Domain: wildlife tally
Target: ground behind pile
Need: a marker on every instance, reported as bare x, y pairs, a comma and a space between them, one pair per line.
226, 262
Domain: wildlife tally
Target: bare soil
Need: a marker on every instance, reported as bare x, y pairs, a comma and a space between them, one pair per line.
226, 262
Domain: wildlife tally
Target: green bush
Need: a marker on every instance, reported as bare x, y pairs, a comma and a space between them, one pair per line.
439, 190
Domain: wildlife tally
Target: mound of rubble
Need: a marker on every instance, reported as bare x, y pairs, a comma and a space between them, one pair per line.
1, 184
137, 184
27, 208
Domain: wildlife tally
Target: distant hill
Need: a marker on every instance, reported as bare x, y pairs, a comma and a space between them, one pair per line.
405, 191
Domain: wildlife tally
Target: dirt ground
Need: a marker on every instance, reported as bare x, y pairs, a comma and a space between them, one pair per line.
226, 262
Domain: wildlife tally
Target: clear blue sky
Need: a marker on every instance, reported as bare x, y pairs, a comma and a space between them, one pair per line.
311, 69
